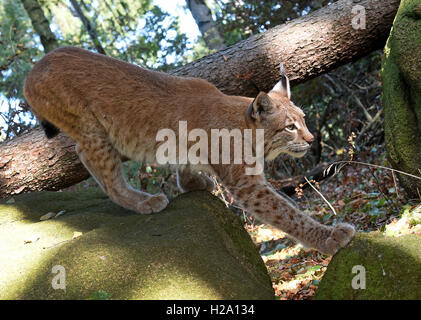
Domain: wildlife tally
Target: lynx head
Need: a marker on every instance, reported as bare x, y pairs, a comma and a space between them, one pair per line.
283, 122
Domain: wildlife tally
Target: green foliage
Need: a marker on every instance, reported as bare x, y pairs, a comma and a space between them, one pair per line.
17, 48
100, 295
151, 178
135, 31
239, 19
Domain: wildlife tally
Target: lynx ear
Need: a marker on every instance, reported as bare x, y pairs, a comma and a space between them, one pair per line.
282, 87
261, 106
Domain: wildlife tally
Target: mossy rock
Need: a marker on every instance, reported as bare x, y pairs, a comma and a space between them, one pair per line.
392, 269
194, 249
401, 77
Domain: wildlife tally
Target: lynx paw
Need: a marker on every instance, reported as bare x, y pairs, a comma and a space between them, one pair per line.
155, 203
340, 236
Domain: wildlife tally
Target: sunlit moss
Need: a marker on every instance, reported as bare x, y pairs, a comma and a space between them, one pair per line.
195, 249
392, 269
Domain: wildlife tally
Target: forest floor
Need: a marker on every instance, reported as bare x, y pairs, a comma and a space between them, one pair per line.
366, 197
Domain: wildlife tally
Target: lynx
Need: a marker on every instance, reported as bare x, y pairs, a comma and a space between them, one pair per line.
113, 110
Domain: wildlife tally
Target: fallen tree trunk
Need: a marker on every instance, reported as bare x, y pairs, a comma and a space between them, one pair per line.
308, 46
32, 162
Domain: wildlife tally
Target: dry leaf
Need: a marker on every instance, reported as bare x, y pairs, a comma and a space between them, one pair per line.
60, 213
48, 216
76, 234
32, 239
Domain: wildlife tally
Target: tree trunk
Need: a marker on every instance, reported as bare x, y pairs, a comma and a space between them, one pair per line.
40, 24
402, 95
203, 17
308, 46
32, 162
88, 26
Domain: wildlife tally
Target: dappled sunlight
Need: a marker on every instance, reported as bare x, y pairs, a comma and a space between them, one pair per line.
24, 250
179, 286
108, 251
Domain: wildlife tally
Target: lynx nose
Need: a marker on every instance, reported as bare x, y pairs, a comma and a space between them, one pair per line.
309, 137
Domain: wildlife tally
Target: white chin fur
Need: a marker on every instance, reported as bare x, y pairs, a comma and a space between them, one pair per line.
273, 154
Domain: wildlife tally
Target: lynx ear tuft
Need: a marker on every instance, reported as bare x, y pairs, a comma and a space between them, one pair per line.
282, 87
261, 106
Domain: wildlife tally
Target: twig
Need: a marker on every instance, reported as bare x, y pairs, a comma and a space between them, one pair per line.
360, 104
369, 125
320, 194
395, 183
369, 165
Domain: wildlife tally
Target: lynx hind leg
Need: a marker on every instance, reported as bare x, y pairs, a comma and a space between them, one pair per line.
104, 163
188, 180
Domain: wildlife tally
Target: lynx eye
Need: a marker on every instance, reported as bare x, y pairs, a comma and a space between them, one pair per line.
291, 127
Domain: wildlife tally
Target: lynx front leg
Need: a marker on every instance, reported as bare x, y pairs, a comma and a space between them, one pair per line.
255, 195
104, 163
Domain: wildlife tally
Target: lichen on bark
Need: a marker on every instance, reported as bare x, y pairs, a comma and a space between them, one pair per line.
401, 75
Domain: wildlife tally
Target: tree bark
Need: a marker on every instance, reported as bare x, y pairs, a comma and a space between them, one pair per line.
40, 24
308, 46
88, 26
208, 28
32, 162
402, 95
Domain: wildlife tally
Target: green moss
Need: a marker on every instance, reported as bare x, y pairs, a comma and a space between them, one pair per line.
195, 249
401, 76
392, 266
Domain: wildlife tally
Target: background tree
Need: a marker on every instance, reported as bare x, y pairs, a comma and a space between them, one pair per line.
402, 94
239, 19
40, 24
203, 16
136, 31
88, 26
19, 48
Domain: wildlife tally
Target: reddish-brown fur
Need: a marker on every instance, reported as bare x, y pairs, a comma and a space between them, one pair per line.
114, 109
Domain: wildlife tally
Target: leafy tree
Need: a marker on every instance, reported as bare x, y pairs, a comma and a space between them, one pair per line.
135, 31
239, 19
18, 48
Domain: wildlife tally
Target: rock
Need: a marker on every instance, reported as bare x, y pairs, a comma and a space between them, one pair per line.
194, 249
392, 269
